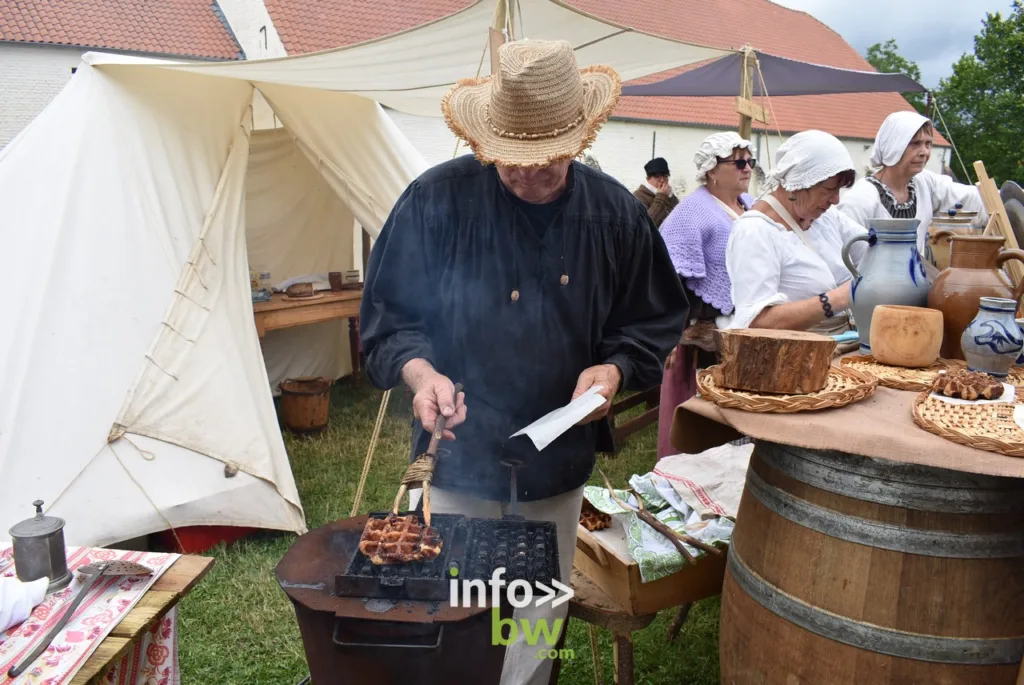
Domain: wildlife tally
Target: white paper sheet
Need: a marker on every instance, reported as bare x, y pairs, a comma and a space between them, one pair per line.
547, 428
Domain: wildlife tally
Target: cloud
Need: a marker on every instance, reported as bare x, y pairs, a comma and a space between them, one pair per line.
933, 33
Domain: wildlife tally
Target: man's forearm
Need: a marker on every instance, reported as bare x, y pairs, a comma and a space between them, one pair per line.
415, 371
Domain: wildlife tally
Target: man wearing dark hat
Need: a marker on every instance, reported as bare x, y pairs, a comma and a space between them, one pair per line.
530, 278
656, 193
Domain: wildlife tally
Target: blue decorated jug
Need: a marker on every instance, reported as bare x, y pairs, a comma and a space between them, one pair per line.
891, 272
993, 341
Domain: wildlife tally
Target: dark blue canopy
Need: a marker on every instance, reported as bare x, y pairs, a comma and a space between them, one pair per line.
782, 76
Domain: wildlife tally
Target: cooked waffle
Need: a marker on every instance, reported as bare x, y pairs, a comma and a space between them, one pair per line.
592, 519
968, 385
399, 540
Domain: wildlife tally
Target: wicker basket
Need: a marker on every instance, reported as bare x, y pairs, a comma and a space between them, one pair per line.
845, 386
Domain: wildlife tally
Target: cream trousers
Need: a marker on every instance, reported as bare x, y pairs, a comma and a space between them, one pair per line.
522, 665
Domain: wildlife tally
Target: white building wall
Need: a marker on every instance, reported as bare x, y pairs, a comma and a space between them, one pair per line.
30, 77
253, 28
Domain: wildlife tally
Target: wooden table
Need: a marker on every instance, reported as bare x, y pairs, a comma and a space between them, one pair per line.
285, 312
166, 592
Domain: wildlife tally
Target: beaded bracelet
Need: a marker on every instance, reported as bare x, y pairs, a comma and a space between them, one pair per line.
826, 305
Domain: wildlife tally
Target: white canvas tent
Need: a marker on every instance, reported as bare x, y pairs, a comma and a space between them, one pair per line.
135, 394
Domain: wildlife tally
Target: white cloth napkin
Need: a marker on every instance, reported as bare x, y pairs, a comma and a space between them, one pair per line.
18, 599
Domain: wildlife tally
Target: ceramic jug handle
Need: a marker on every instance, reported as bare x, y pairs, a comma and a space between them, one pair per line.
846, 253
1005, 256
939, 235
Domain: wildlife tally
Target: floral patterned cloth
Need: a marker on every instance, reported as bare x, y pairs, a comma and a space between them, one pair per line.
153, 660
109, 601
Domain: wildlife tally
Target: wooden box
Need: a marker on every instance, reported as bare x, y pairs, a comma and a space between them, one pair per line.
602, 557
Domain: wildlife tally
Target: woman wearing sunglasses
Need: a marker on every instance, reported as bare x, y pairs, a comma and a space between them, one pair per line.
785, 254
696, 234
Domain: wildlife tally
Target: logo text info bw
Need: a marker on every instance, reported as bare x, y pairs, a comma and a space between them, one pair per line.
519, 594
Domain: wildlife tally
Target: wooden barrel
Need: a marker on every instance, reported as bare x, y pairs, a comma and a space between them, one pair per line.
305, 403
846, 570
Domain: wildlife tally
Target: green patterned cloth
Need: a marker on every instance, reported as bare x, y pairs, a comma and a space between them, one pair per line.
656, 556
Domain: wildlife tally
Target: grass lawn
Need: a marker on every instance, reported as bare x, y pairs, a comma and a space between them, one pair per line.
237, 626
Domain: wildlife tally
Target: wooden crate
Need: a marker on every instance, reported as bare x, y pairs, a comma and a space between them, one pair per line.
602, 558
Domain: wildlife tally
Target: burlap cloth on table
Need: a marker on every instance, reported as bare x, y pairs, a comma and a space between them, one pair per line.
882, 426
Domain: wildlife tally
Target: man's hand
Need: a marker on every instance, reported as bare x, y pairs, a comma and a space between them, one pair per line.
663, 184
609, 378
433, 396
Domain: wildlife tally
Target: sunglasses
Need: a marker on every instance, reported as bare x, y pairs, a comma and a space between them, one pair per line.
740, 164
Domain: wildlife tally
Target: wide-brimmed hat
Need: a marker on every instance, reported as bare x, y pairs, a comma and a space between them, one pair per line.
538, 108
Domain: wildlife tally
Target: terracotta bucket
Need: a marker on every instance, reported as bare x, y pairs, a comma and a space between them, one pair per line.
305, 403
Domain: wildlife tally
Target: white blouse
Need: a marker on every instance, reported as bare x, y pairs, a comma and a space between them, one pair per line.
770, 265
935, 193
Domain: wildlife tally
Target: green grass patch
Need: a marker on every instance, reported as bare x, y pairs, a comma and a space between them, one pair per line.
237, 626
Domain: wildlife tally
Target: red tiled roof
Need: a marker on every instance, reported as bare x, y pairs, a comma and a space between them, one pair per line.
173, 27
308, 27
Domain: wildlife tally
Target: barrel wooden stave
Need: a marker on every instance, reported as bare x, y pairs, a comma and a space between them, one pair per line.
914, 593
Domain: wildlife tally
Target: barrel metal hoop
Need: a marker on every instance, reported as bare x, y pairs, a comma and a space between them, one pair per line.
871, 637
871, 480
932, 543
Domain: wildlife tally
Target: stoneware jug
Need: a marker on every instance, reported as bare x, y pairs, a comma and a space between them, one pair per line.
973, 273
891, 272
992, 342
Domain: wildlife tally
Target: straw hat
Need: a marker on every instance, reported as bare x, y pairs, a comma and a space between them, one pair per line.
539, 107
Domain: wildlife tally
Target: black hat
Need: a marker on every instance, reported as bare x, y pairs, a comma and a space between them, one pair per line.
657, 167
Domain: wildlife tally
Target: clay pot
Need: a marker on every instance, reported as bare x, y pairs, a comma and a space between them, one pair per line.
974, 272
890, 272
906, 336
936, 247
993, 341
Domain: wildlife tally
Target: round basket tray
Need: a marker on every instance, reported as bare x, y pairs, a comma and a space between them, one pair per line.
897, 377
845, 386
988, 427
1015, 377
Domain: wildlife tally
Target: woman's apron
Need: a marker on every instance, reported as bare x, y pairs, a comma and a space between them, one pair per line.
840, 323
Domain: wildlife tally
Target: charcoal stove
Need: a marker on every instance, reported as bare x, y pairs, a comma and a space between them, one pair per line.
363, 624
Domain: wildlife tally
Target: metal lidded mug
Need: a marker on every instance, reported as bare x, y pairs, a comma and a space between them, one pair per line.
39, 550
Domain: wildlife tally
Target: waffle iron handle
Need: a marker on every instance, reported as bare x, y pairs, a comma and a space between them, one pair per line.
338, 642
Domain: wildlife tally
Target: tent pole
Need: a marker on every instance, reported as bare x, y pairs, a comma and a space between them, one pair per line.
746, 90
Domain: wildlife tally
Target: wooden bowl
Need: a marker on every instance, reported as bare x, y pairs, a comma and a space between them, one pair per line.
910, 337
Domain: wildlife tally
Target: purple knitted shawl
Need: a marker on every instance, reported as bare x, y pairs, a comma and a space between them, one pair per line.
696, 234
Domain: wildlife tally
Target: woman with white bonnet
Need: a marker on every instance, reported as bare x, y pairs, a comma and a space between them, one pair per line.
900, 187
696, 234
785, 254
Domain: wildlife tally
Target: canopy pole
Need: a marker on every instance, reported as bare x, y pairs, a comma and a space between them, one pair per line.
746, 91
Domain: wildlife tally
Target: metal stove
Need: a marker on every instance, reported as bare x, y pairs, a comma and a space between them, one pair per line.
385, 625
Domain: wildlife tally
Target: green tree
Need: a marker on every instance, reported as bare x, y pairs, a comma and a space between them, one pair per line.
982, 102
885, 57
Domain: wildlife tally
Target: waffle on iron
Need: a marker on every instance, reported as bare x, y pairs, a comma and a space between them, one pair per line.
399, 540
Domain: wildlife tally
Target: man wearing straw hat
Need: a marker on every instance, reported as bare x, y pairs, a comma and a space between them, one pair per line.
528, 277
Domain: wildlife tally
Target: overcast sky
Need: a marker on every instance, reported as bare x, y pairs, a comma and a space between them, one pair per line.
933, 33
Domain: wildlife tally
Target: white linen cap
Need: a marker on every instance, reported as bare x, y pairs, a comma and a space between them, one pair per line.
715, 146
894, 135
807, 159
